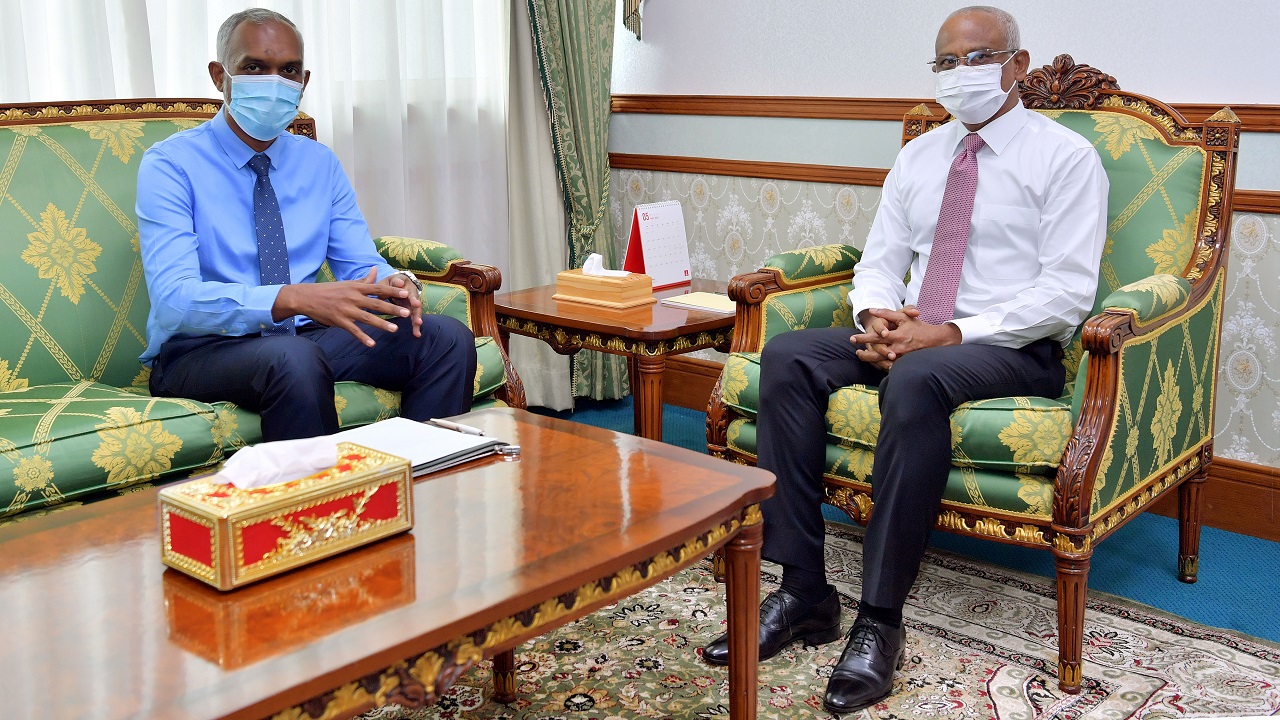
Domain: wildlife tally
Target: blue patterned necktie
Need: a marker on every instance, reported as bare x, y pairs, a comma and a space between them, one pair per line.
273, 254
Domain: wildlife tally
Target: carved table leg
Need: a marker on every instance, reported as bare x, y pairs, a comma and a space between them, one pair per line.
646, 394
504, 677
742, 555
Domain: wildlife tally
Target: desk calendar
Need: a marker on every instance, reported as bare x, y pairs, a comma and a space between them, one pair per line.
658, 246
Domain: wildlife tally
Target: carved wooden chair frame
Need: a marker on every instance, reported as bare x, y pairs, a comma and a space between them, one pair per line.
1070, 534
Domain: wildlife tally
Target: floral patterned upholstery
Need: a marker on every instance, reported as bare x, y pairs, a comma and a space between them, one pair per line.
75, 416
1136, 418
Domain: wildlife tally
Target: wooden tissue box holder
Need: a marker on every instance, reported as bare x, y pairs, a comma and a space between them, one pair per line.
615, 293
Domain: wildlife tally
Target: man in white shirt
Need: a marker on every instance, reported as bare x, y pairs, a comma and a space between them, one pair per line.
1000, 217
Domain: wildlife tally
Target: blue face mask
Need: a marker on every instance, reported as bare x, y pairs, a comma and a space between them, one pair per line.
263, 105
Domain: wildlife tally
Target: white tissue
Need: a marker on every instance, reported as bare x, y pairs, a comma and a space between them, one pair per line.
595, 266
279, 461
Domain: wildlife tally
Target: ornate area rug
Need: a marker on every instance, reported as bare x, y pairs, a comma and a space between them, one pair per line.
982, 643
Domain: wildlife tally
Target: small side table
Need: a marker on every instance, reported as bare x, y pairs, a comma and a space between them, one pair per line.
646, 336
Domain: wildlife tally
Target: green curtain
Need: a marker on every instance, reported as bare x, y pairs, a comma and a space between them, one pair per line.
574, 43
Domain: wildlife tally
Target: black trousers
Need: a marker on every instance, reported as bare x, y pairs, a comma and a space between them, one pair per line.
288, 379
799, 370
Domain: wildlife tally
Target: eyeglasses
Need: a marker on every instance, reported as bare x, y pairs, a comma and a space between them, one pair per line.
977, 57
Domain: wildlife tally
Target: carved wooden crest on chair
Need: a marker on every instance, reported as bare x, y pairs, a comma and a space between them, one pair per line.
1140, 421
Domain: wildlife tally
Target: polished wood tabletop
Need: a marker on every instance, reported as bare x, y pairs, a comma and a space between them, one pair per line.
653, 322
646, 335
95, 627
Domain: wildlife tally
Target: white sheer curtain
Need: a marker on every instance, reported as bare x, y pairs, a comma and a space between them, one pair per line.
411, 94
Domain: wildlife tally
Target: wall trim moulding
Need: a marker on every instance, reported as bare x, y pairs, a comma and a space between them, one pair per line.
1258, 201
803, 172
1253, 117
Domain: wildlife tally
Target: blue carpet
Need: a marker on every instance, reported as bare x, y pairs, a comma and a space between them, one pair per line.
1237, 586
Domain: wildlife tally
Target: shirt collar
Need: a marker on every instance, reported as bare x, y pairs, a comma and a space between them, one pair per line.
996, 134
234, 147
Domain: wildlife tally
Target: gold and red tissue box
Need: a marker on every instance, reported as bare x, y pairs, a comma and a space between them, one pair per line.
228, 537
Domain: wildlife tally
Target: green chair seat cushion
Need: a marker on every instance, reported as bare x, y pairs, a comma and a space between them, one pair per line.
62, 441
1023, 494
1014, 434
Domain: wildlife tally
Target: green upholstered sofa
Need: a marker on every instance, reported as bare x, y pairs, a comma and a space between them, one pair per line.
76, 421
1136, 418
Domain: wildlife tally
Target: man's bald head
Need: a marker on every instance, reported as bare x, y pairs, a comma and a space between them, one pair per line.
1006, 25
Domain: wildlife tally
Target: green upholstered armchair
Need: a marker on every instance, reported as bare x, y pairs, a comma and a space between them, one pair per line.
1136, 418
76, 421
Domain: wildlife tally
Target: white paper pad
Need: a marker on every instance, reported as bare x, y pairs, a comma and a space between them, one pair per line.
427, 447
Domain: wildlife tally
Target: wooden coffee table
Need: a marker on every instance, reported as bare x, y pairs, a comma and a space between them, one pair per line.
502, 551
646, 336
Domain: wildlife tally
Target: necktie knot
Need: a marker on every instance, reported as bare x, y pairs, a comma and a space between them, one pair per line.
973, 143
260, 164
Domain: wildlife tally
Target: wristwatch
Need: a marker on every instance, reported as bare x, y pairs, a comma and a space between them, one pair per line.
410, 277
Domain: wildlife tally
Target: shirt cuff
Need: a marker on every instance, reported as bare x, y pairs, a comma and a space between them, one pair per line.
257, 307
973, 329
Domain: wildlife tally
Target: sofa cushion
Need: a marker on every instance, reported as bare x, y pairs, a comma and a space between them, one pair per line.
1024, 494
1011, 434
1015, 434
62, 441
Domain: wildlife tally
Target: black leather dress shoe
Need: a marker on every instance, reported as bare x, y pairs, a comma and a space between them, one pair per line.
864, 674
785, 618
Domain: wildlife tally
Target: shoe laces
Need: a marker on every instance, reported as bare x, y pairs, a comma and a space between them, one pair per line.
863, 638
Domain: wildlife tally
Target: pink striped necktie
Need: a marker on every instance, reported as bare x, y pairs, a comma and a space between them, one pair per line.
937, 301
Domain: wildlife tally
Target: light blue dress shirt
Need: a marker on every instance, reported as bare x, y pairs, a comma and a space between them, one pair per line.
199, 248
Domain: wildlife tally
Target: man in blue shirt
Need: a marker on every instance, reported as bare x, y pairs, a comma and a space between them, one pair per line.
235, 219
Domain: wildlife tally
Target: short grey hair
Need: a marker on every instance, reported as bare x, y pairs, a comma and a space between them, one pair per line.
255, 16
1009, 26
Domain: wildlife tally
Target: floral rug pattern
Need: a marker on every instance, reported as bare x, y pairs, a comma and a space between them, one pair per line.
982, 643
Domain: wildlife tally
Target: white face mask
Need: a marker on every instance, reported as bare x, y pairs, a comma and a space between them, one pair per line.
972, 94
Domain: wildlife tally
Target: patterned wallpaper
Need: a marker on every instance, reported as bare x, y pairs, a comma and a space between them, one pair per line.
734, 224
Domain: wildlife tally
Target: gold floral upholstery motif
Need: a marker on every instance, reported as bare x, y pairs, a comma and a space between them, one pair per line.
121, 136
1173, 251
8, 379
1118, 133
134, 449
62, 253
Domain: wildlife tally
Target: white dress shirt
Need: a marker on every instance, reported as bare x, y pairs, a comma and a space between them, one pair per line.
1035, 241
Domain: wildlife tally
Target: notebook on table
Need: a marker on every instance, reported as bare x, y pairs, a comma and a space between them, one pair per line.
427, 447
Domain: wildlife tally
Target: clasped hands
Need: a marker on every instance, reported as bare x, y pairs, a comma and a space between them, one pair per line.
349, 303
890, 334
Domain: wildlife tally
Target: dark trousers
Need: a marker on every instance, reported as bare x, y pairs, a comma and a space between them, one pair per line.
799, 370
288, 379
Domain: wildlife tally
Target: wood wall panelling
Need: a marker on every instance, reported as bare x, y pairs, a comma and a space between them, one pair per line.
1258, 201
687, 382
1238, 496
1253, 117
